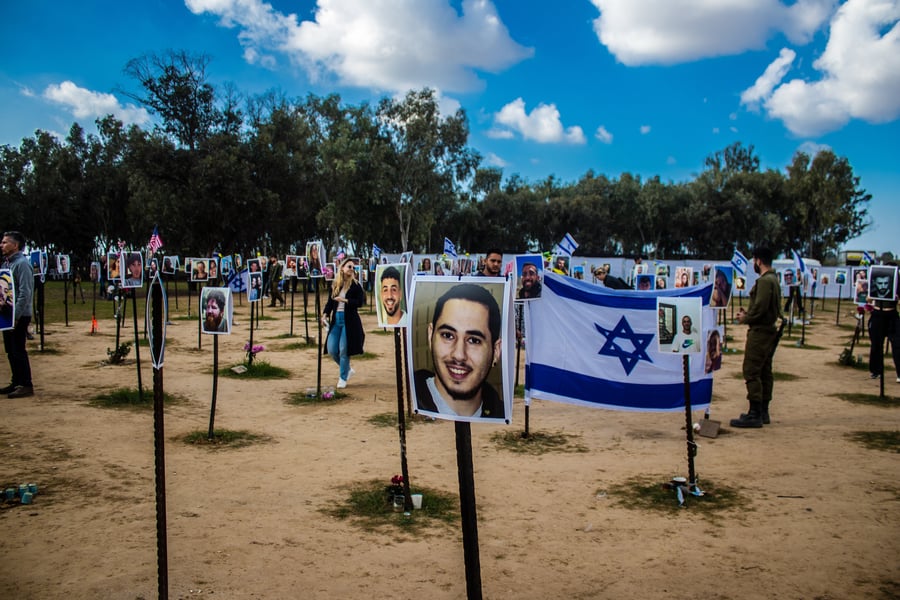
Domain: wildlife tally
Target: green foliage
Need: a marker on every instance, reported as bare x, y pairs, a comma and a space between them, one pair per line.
399, 174
537, 442
118, 355
367, 506
648, 494
130, 398
258, 369
224, 438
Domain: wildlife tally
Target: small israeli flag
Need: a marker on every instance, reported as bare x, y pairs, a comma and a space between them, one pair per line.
798, 262
449, 248
568, 245
739, 262
867, 258
376, 251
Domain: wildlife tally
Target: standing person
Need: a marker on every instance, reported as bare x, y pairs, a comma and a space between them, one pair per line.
764, 310
493, 262
14, 339
273, 278
883, 323
346, 335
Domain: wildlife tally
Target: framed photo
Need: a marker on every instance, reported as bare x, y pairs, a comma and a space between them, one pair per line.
328, 272
460, 348
218, 310
861, 284
290, 265
883, 282
714, 350
529, 276
62, 264
254, 286
723, 281
660, 282
39, 262
213, 268
683, 276
661, 270
788, 278
840, 276
740, 283
7, 300
133, 271
680, 324
153, 270
406, 257
169, 265
391, 302
199, 269
95, 272
113, 272
226, 266
254, 265
315, 258
561, 264
645, 282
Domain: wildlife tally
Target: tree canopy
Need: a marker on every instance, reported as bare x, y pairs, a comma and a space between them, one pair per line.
222, 173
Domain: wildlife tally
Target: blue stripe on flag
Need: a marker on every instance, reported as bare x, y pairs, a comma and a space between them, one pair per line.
578, 388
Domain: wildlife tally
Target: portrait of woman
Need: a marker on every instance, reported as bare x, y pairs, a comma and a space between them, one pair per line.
713, 351
683, 277
315, 258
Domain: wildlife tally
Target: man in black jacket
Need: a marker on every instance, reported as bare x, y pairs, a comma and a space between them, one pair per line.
610, 281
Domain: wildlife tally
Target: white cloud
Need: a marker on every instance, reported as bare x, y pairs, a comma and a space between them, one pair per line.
542, 125
770, 78
812, 148
860, 73
494, 160
85, 104
603, 135
500, 134
640, 32
645, 129
411, 44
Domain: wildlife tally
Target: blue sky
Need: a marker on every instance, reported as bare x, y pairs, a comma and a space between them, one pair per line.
650, 87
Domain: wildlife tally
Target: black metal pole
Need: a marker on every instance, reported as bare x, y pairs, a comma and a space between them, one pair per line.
401, 422
137, 345
406, 375
293, 292
66, 297
162, 560
319, 353
689, 426
802, 318
40, 301
467, 509
212, 409
94, 308
837, 317
250, 345
200, 319
306, 308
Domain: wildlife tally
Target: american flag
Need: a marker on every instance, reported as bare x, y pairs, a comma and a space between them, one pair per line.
155, 241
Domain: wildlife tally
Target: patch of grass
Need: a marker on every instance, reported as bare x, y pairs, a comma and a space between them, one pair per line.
888, 441
869, 399
301, 398
129, 398
537, 442
368, 506
382, 332
260, 369
519, 392
298, 346
365, 356
650, 494
389, 419
224, 438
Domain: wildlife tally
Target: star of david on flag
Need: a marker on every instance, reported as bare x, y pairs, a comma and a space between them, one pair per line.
449, 248
592, 346
739, 262
867, 259
376, 251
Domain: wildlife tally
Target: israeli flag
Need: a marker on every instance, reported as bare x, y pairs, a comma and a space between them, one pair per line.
568, 245
798, 262
739, 262
592, 346
376, 251
449, 248
867, 258
237, 281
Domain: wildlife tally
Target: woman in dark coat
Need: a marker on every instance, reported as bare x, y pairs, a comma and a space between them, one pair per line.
346, 335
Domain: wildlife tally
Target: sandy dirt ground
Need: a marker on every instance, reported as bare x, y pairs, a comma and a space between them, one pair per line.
818, 516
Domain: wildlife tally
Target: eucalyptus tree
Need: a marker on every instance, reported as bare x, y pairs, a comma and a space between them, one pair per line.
428, 162
829, 206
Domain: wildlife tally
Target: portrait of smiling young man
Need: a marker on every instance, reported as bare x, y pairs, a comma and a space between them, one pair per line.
457, 372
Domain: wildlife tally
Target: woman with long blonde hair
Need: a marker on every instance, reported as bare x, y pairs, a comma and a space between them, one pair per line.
341, 314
